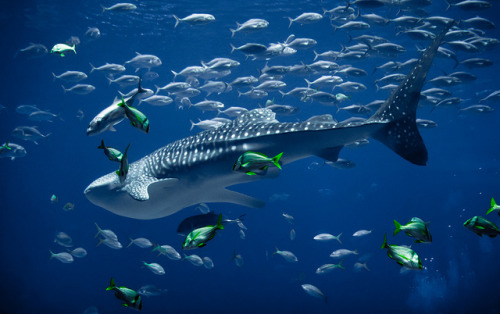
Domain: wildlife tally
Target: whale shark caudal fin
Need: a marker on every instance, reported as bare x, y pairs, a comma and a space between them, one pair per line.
399, 111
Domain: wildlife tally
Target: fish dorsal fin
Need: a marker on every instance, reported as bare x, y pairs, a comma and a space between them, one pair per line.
138, 189
137, 53
256, 115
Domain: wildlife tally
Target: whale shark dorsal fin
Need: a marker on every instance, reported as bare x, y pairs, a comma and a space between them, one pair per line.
227, 196
256, 115
138, 189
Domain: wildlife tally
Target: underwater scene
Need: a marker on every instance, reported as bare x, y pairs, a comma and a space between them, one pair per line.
250, 156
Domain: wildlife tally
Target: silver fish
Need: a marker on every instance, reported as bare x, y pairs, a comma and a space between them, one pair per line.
71, 76
251, 25
80, 89
306, 18
141, 61
108, 68
195, 19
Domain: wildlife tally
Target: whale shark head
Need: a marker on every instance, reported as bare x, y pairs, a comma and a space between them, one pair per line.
140, 195
108, 192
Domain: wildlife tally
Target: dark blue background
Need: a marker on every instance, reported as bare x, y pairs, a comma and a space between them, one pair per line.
461, 272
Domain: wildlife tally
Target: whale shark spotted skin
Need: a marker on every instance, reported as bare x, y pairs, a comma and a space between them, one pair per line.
198, 169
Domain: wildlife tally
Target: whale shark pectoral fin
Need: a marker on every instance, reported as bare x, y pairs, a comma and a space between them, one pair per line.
138, 189
227, 196
330, 153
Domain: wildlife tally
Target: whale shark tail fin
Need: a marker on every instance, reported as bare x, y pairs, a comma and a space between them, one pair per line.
399, 111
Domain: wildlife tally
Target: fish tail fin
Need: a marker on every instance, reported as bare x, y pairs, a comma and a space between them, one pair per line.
64, 89
177, 21
192, 125
398, 227
51, 254
276, 252
92, 67
316, 55
122, 103
219, 223
308, 83
233, 31
55, 76
175, 74
74, 48
366, 266
112, 284
158, 88
399, 111
340, 265
233, 48
102, 145
384, 245
100, 242
493, 206
276, 160
126, 151
291, 22
131, 242
449, 5
338, 238
103, 8
98, 230
282, 93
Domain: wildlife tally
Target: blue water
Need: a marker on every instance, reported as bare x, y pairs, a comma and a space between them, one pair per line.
460, 272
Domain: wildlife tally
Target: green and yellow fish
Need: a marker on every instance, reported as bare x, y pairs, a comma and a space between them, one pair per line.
61, 49
480, 226
200, 236
124, 166
130, 297
112, 153
493, 207
252, 162
403, 255
415, 228
137, 118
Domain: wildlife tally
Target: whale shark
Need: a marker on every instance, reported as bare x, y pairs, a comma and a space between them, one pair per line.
198, 169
